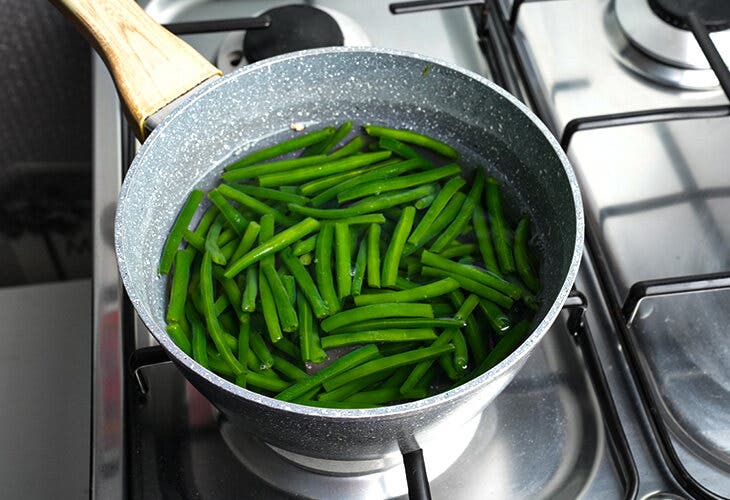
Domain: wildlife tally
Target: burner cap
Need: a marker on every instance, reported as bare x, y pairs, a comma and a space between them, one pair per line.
293, 27
714, 13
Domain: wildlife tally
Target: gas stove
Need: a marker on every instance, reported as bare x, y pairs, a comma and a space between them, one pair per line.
627, 396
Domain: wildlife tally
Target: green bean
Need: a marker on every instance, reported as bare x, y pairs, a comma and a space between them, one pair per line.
244, 332
438, 205
343, 266
522, 261
214, 329
465, 249
308, 395
348, 149
177, 334
306, 259
269, 384
233, 216
416, 294
229, 340
387, 363
473, 273
306, 331
376, 311
425, 202
194, 240
470, 285
246, 241
363, 219
326, 146
399, 335
270, 194
280, 166
289, 370
306, 284
397, 378
200, 353
496, 318
484, 240
174, 238
398, 347
351, 388
382, 174
395, 249
252, 203
394, 145
385, 395
283, 148
368, 205
360, 267
211, 242
461, 356
343, 364
385, 185
262, 352
291, 287
323, 169
323, 268
446, 216
230, 288
268, 308
287, 315
373, 256
421, 368
476, 340
205, 221
340, 405
318, 185
228, 321
304, 246
273, 245
179, 286
288, 347
403, 283
385, 324
504, 347
463, 217
413, 138
228, 249
499, 227
248, 298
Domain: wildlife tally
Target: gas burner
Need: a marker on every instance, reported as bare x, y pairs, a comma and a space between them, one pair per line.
714, 14
651, 46
293, 27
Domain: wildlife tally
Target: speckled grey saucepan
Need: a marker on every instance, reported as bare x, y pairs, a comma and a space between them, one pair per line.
253, 108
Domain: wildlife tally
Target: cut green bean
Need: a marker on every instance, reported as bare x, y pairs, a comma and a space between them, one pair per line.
395, 249
387, 363
307, 341
326, 145
419, 293
474, 337
287, 315
291, 287
377, 311
343, 364
399, 148
395, 323
211, 242
446, 216
246, 241
244, 332
351, 388
462, 250
413, 138
248, 298
399, 335
270, 384
177, 334
289, 370
175, 237
425, 202
484, 240
316, 186
194, 240
463, 217
473, 273
466, 307
233, 216
421, 368
283, 148
304, 246
397, 378
522, 260
249, 172
348, 149
499, 321
198, 348
306, 284
179, 286
230, 288
205, 221
316, 171
306, 259
214, 329
360, 268
385, 185
288, 347
470, 285
504, 347
385, 395
384, 174
323, 268
252, 203
273, 245
461, 353
373, 256
499, 227
268, 308
438, 205
259, 348
343, 266
270, 194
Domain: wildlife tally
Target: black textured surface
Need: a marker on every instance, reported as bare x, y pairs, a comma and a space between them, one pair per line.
45, 145
293, 27
715, 14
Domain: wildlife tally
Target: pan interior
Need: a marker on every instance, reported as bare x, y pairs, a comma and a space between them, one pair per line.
256, 106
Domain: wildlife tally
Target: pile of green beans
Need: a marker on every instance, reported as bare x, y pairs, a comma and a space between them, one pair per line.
373, 274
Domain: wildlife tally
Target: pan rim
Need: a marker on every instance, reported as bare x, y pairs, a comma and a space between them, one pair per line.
462, 391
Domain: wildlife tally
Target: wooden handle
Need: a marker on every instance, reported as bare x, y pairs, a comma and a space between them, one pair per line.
151, 67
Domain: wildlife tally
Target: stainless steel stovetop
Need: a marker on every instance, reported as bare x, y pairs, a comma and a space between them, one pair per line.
626, 397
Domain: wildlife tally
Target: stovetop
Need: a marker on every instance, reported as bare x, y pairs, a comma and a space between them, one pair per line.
626, 396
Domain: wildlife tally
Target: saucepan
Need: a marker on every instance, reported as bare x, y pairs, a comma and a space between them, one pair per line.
192, 120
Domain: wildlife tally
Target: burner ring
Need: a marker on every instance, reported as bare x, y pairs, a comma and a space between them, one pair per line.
714, 14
